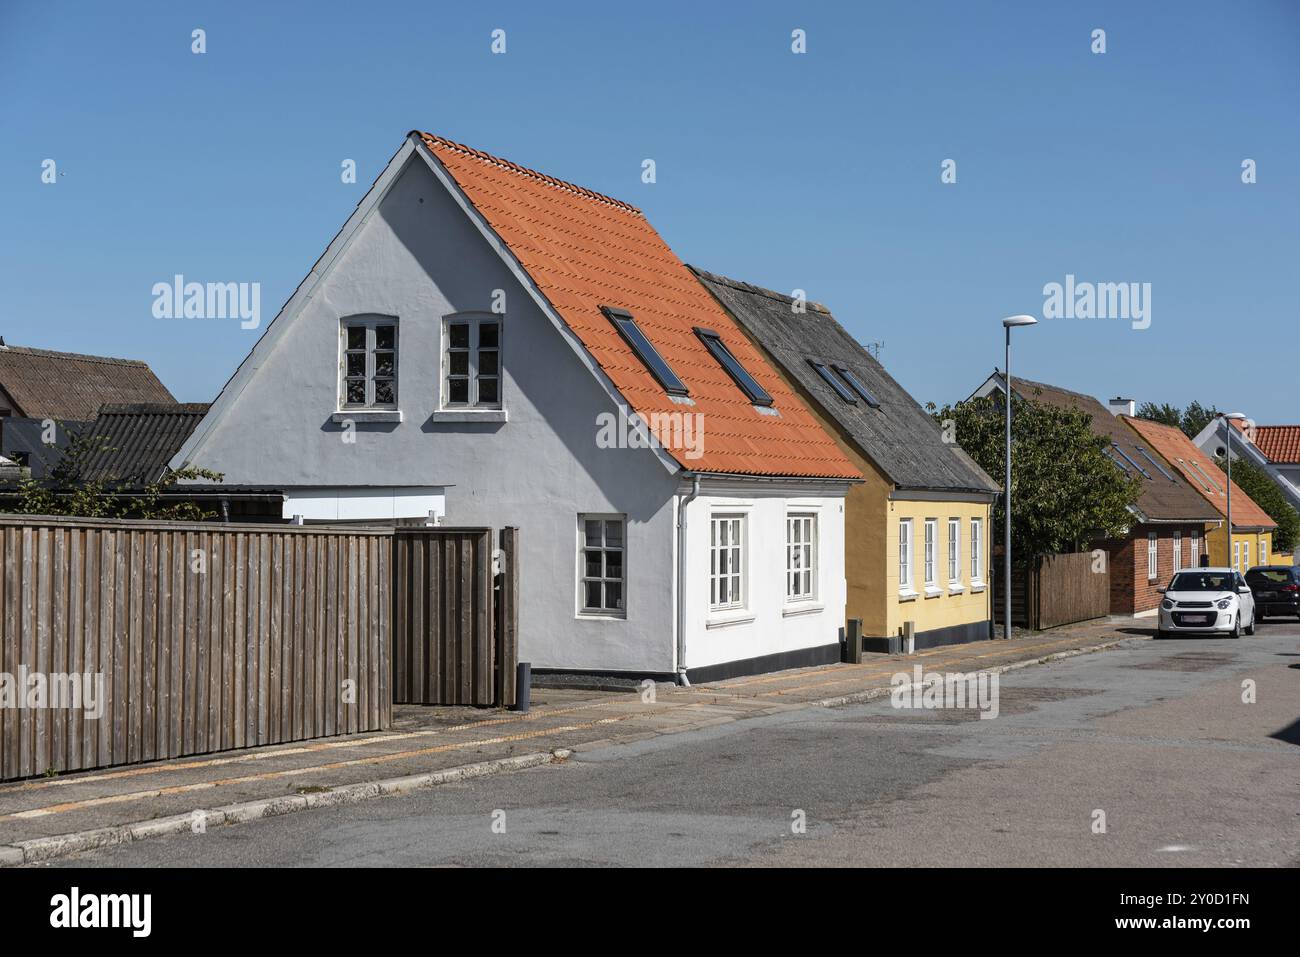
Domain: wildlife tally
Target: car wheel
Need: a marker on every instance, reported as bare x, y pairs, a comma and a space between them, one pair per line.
1236, 629
1161, 634
1250, 630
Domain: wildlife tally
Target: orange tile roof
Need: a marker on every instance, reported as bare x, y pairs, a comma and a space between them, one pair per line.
1181, 452
1279, 443
584, 250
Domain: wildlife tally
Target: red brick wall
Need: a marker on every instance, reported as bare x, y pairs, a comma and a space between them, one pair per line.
1131, 591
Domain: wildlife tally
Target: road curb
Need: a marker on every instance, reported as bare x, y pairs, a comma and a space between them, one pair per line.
198, 821
858, 697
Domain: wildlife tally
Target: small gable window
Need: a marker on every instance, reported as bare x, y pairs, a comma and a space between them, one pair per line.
471, 363
833, 381
645, 350
369, 363
851, 377
739, 374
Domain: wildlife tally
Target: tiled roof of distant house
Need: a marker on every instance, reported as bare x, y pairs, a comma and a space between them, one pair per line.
132, 443
69, 386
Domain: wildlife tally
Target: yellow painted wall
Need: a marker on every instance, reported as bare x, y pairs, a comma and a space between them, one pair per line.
959, 605
1216, 545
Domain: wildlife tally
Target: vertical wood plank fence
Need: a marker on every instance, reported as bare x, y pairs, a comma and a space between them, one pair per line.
1058, 590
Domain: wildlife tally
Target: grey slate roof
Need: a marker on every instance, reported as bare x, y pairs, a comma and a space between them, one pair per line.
133, 442
71, 387
900, 437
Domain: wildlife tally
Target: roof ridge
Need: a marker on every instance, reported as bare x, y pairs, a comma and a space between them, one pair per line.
742, 286
33, 350
432, 139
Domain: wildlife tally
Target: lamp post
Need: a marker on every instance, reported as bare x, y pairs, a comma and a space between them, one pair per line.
1228, 418
1008, 324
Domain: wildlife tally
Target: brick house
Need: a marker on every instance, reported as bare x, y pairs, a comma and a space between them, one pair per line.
1171, 520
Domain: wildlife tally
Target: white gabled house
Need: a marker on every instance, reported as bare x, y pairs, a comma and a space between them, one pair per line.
499, 347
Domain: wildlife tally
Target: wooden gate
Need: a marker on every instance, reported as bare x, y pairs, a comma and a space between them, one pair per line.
455, 616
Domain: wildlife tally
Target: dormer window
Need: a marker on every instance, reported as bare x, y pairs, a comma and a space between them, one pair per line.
645, 350
739, 374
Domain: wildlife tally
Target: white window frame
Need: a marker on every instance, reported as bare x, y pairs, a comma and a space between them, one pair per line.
476, 322
1236, 554
1263, 551
800, 557
370, 323
605, 548
1245, 555
1153, 556
732, 555
976, 552
906, 558
1195, 550
930, 557
954, 554
1178, 550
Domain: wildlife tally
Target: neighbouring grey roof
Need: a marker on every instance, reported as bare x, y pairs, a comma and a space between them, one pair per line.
69, 386
133, 442
900, 437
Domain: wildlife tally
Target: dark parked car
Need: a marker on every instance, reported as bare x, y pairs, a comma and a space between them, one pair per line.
1276, 589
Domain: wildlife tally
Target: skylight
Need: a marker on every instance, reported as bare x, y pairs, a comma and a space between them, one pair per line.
756, 393
1126, 458
1151, 458
1197, 466
645, 350
851, 377
833, 382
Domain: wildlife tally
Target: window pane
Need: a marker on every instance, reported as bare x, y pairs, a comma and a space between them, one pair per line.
356, 337
593, 595
458, 363
384, 364
458, 390
357, 391
384, 337
593, 563
489, 390
489, 334
614, 596
487, 363
613, 564
614, 533
384, 391
593, 532
458, 333
356, 364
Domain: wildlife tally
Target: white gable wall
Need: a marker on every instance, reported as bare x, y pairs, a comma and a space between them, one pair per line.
419, 258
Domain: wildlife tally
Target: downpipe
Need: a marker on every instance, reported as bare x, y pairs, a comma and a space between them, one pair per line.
682, 680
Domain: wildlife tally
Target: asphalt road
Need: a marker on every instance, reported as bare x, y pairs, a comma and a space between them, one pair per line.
1155, 734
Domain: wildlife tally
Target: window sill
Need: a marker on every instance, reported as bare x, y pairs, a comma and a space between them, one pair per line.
470, 415
726, 621
932, 592
955, 589
600, 616
367, 415
977, 586
795, 610
908, 596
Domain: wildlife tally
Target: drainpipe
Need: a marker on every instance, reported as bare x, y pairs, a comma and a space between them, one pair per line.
681, 582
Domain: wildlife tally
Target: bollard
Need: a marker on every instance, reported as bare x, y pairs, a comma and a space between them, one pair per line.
853, 641
909, 637
523, 686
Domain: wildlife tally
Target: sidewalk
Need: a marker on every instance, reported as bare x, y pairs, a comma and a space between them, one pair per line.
50, 817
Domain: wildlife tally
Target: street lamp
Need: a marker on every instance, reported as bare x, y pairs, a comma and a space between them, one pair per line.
1228, 419
1008, 324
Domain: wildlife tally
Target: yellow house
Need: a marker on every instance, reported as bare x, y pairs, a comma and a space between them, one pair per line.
917, 531
1252, 528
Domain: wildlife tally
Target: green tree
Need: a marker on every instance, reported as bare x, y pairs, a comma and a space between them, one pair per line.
1190, 420
1066, 491
1255, 482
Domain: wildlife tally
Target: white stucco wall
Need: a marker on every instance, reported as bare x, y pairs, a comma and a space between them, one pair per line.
767, 624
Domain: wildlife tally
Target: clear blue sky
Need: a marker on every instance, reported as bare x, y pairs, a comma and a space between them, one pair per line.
816, 171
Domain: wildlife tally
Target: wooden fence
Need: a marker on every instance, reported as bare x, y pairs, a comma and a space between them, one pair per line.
455, 622
200, 637
1058, 590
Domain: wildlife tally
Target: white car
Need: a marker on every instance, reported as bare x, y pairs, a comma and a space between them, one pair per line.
1202, 601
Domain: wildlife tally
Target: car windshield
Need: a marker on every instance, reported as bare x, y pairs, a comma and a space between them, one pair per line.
1201, 581
1269, 576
